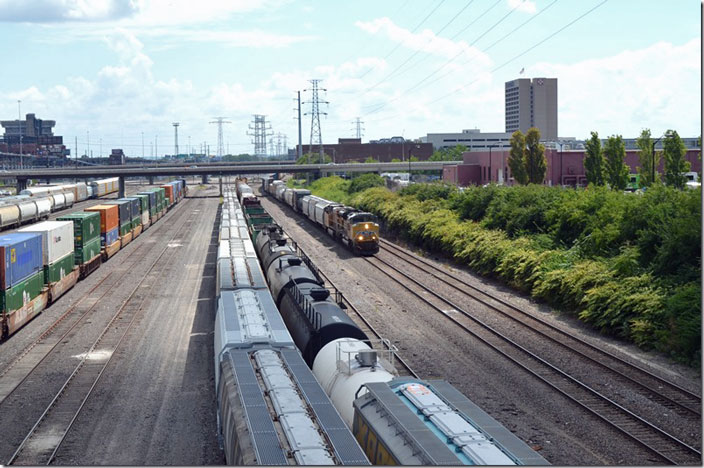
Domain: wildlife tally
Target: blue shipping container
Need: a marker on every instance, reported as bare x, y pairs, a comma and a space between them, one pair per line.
22, 257
110, 237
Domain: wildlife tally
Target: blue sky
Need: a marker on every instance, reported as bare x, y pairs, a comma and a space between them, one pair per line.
113, 70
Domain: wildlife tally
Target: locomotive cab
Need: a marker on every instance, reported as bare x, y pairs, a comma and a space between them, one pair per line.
363, 232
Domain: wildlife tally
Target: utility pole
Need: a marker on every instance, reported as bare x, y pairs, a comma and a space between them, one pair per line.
19, 124
75, 144
175, 124
88, 147
142, 146
156, 146
316, 134
220, 121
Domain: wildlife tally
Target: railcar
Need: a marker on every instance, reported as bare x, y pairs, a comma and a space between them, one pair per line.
396, 420
357, 229
271, 410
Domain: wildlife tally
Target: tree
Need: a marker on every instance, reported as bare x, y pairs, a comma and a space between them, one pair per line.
370, 160
449, 154
615, 168
313, 158
516, 156
534, 157
675, 163
645, 155
594, 161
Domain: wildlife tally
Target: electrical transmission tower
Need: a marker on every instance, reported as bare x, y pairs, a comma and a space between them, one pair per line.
359, 129
261, 131
220, 121
175, 124
316, 135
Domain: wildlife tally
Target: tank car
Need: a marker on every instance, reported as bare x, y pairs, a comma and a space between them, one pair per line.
312, 317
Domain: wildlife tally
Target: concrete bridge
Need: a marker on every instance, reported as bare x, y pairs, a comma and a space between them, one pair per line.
215, 169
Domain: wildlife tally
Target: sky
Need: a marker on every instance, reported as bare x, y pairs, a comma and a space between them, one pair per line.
119, 73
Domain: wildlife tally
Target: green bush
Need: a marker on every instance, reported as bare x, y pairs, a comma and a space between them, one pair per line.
366, 181
627, 264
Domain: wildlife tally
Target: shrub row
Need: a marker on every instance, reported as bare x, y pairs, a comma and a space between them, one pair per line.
573, 249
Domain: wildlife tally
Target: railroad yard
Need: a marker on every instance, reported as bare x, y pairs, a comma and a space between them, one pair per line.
120, 371
513, 377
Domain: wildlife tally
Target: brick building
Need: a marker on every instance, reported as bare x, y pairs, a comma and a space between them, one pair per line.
352, 149
563, 167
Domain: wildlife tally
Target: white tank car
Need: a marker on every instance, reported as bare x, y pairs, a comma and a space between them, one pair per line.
343, 366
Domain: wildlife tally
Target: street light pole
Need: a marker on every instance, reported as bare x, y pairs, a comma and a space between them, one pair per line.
491, 146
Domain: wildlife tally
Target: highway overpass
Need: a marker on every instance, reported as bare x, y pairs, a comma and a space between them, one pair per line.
222, 169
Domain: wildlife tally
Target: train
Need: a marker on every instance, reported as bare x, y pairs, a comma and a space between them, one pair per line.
396, 420
38, 202
44, 260
271, 411
357, 229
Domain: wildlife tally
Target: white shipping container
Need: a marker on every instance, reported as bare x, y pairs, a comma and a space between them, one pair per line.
145, 218
57, 239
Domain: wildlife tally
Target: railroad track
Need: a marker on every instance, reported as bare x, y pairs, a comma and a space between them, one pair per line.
46, 436
667, 448
682, 401
16, 372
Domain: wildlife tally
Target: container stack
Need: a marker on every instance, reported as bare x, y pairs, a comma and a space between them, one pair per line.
144, 207
136, 209
125, 219
21, 275
86, 235
153, 204
109, 228
57, 248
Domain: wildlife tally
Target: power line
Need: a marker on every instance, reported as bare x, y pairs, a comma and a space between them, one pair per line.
491, 28
412, 31
418, 51
512, 59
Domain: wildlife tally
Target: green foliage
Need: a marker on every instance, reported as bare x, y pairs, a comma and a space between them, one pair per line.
449, 154
366, 181
616, 169
594, 161
645, 156
313, 158
675, 163
516, 158
370, 160
534, 157
629, 265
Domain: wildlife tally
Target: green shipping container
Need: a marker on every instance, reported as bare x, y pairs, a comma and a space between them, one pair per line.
60, 268
144, 201
87, 252
136, 222
15, 297
86, 226
125, 229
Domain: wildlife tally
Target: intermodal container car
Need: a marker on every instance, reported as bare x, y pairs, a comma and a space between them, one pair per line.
22, 257
125, 214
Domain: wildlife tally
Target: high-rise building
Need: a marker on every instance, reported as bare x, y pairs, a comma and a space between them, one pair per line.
532, 103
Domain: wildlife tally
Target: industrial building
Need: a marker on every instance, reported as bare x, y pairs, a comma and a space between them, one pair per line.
31, 136
353, 150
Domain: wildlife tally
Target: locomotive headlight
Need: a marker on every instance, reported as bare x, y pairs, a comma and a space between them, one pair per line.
366, 226
360, 238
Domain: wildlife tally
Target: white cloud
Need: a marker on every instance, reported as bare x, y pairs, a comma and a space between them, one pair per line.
425, 41
657, 87
48, 11
526, 6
